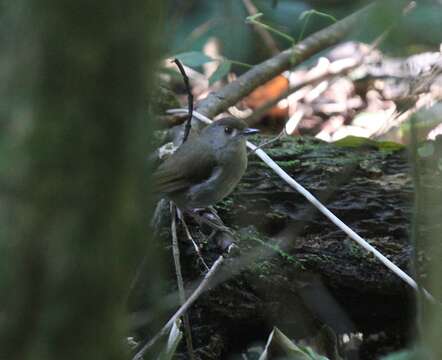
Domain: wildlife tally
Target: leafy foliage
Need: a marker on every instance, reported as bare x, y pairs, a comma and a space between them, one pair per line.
175, 336
222, 70
193, 58
279, 344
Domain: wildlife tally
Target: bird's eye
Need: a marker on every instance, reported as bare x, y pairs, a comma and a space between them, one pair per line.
228, 130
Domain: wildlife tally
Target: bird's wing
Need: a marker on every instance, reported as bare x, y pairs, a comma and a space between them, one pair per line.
189, 165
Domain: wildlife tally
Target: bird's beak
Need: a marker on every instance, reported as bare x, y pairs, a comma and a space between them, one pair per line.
249, 131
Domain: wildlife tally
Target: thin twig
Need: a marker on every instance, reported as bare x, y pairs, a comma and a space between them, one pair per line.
271, 141
190, 238
205, 283
294, 121
180, 282
262, 32
189, 99
254, 20
316, 203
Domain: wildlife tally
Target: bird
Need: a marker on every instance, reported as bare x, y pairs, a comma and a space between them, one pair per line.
207, 167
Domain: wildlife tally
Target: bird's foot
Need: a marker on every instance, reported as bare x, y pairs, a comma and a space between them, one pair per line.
222, 234
209, 216
190, 238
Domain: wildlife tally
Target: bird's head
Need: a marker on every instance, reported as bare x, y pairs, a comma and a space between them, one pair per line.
226, 131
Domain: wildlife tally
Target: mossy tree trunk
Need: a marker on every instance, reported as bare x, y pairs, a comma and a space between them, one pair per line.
74, 200
427, 235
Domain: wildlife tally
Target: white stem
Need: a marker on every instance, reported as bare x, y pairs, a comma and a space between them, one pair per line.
190, 238
182, 310
180, 281
335, 220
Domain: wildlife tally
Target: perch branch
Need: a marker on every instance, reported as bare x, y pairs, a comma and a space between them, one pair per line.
180, 282
190, 238
332, 217
205, 283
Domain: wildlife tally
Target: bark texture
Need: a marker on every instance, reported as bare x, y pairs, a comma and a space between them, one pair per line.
74, 204
295, 269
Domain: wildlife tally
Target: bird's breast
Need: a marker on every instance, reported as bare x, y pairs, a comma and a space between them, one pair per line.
224, 178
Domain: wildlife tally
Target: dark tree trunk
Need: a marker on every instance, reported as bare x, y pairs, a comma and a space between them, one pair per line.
298, 271
74, 205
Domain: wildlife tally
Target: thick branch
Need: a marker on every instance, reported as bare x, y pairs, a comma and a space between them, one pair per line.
312, 77
229, 95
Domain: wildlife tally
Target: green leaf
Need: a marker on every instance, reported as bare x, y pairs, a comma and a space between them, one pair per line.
359, 142
175, 336
311, 12
305, 13
193, 58
281, 345
222, 70
254, 17
411, 354
403, 355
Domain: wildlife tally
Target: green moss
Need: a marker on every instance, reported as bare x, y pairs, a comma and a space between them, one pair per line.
257, 164
264, 268
225, 204
163, 99
355, 250
252, 236
275, 215
289, 164
358, 142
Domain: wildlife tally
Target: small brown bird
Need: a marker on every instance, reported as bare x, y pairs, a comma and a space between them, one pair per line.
206, 168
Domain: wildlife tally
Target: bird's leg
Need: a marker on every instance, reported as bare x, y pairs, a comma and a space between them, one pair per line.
212, 211
210, 217
223, 236
190, 238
